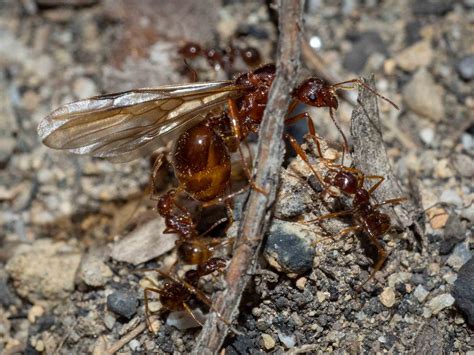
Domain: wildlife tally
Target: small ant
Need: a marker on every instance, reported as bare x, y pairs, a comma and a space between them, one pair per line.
366, 216
192, 247
221, 58
175, 294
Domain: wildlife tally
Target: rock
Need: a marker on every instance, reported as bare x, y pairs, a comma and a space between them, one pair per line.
7, 146
387, 297
440, 302
463, 290
294, 197
288, 248
35, 312
399, 277
438, 217
268, 342
465, 165
44, 270
288, 340
123, 303
420, 293
427, 135
465, 68
424, 97
7, 297
366, 44
429, 339
454, 232
84, 87
432, 7
451, 197
134, 345
418, 55
460, 255
144, 243
92, 270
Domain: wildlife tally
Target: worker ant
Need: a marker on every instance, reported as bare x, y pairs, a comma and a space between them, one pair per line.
124, 126
221, 58
366, 216
175, 294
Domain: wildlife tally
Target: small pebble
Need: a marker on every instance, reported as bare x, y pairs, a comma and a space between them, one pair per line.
438, 217
424, 96
134, 345
465, 68
287, 249
109, 321
363, 47
34, 313
427, 135
440, 302
463, 290
84, 87
387, 297
418, 55
268, 342
460, 255
420, 293
301, 283
288, 340
451, 197
122, 303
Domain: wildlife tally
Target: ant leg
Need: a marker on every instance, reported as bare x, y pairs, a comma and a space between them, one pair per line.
190, 312
311, 129
393, 201
377, 184
248, 174
359, 82
382, 256
344, 232
330, 216
214, 225
224, 198
297, 148
146, 301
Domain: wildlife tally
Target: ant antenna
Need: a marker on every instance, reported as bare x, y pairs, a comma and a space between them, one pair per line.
359, 82
192, 70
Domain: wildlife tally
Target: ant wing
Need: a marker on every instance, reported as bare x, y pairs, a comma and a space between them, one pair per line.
124, 126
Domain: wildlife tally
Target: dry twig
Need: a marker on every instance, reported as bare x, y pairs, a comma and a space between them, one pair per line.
269, 158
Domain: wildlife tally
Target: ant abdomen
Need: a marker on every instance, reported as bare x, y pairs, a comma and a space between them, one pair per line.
202, 163
194, 252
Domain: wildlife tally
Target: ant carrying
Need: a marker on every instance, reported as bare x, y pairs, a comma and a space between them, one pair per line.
366, 215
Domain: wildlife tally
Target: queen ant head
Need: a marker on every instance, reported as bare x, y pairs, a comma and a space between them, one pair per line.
316, 92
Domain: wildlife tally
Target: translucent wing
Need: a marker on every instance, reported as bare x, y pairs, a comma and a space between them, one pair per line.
124, 126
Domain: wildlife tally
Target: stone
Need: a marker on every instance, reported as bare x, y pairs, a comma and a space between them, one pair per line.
122, 303
295, 197
465, 68
7, 146
134, 345
424, 96
84, 87
463, 290
451, 197
144, 243
432, 7
420, 293
427, 135
288, 248
93, 271
288, 340
44, 270
268, 342
418, 55
460, 255
440, 302
454, 233
387, 297
399, 277
366, 44
438, 217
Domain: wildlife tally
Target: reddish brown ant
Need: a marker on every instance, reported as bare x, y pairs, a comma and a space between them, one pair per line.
366, 216
175, 294
124, 126
193, 248
221, 58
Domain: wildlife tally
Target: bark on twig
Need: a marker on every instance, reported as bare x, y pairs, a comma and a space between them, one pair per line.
269, 158
371, 157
